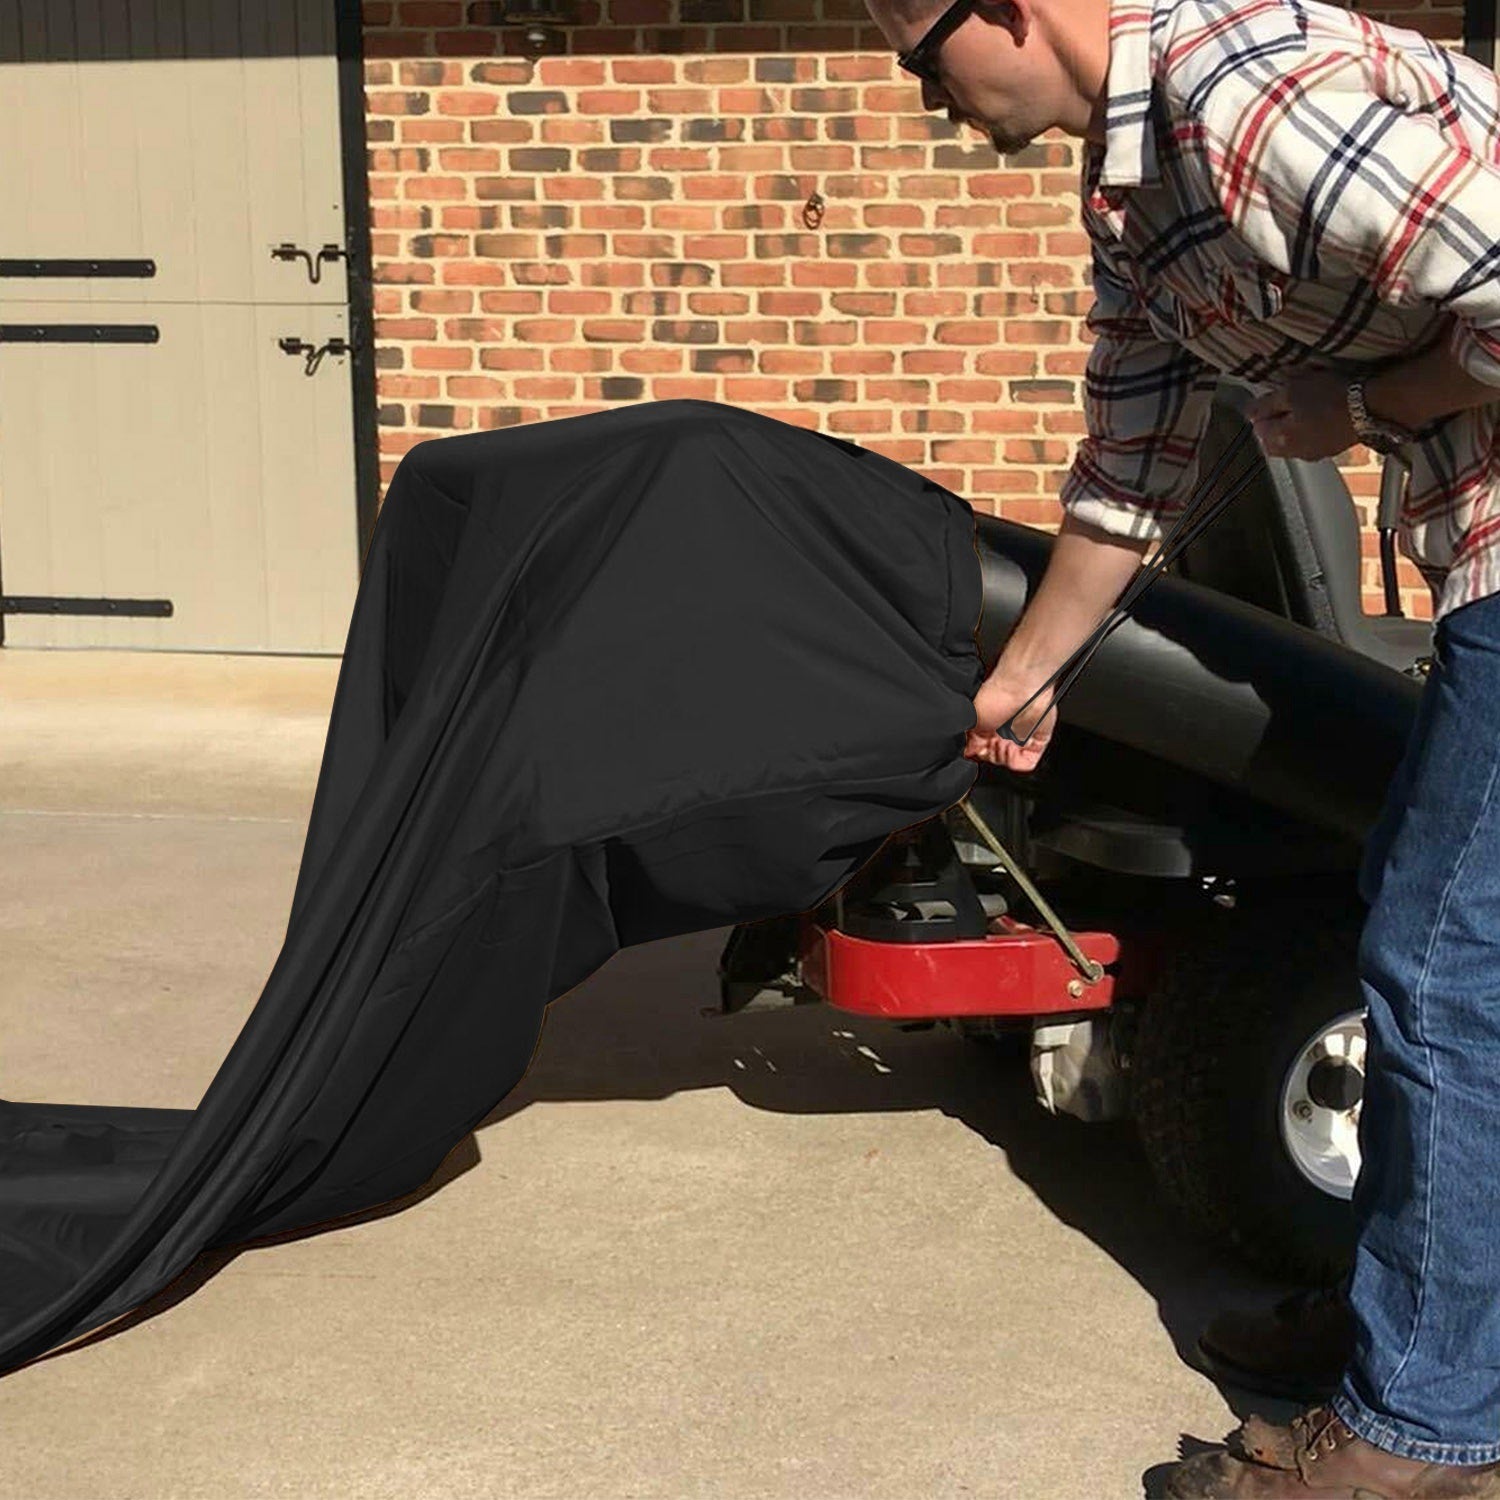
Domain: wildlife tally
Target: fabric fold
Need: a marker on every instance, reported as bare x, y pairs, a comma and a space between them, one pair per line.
608, 679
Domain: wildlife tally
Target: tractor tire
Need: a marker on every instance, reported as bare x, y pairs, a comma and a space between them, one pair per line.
1251, 994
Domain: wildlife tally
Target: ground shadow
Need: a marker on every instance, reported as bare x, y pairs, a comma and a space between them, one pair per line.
646, 1027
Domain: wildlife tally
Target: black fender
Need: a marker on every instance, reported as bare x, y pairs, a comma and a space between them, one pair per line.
1220, 689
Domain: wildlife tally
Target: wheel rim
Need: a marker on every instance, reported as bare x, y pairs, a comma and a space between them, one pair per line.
1320, 1104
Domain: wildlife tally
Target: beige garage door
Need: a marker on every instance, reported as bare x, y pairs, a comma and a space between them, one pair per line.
157, 441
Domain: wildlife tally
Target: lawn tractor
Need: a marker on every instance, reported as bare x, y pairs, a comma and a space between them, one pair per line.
1166, 912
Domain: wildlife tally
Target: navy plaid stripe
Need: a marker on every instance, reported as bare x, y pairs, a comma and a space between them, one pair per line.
1284, 182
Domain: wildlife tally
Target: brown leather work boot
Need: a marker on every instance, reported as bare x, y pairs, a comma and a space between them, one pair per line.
1297, 1350
1316, 1457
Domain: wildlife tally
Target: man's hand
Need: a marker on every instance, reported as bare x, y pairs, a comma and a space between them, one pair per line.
1001, 696
1306, 415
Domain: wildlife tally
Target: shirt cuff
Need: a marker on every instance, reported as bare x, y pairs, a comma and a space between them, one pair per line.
1477, 350
1091, 496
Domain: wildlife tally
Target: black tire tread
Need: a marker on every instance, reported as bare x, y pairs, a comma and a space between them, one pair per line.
1224, 994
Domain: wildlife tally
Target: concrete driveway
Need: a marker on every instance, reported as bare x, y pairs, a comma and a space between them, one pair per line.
762, 1258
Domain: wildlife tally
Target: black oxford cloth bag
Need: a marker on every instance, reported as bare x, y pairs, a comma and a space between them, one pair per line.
608, 679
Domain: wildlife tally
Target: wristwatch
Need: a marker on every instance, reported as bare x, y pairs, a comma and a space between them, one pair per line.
1373, 432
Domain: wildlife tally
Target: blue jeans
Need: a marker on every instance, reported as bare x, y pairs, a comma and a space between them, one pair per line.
1425, 1285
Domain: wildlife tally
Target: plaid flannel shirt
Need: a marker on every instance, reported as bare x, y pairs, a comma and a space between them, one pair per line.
1284, 183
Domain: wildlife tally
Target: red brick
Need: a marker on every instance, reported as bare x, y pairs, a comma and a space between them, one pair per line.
643, 70
898, 390
1005, 362
612, 216
1041, 273
864, 304
572, 301
680, 159
570, 132
405, 273
569, 72
554, 188
828, 332
687, 388
754, 273
541, 274
1034, 215
650, 361
1056, 391
679, 101
714, 246
723, 361
513, 358
968, 216
821, 158
425, 300
1073, 242
682, 273
898, 274
933, 361
789, 362
753, 390
503, 132
684, 216
902, 98
969, 331
790, 304
609, 101
934, 304
718, 304
893, 216
1034, 331
545, 387
614, 330
933, 420
707, 186
969, 392
685, 331
1034, 451
476, 388
1069, 362
545, 330
472, 102
825, 273
581, 361
860, 421
429, 189
716, 70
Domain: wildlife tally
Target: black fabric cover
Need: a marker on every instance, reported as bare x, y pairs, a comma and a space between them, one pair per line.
608, 679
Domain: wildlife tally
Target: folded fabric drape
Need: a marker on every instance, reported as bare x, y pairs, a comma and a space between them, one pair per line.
608, 679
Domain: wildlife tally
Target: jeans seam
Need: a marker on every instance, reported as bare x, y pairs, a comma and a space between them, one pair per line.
1388, 1435
1419, 1018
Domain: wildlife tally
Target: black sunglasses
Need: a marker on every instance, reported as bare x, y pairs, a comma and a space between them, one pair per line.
922, 59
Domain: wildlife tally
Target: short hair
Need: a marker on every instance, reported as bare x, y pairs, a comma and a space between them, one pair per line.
916, 12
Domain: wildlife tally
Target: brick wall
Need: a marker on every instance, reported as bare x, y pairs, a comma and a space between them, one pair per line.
627, 220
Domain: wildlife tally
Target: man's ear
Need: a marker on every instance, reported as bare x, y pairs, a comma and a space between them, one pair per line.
1013, 15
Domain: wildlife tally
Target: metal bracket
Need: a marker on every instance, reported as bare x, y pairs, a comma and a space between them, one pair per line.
44, 604
291, 345
289, 251
142, 268
79, 333
1092, 972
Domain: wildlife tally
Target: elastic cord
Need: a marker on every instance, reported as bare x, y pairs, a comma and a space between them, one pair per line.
1202, 509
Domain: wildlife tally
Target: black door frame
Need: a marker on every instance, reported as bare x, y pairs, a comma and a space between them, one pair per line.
356, 174
1479, 30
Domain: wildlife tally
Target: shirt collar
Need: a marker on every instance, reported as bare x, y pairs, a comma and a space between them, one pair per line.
1128, 156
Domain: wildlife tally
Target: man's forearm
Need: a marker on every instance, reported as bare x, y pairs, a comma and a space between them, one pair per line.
1088, 571
1433, 384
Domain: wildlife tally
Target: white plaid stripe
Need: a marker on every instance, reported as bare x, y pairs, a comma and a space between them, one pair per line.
1287, 183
